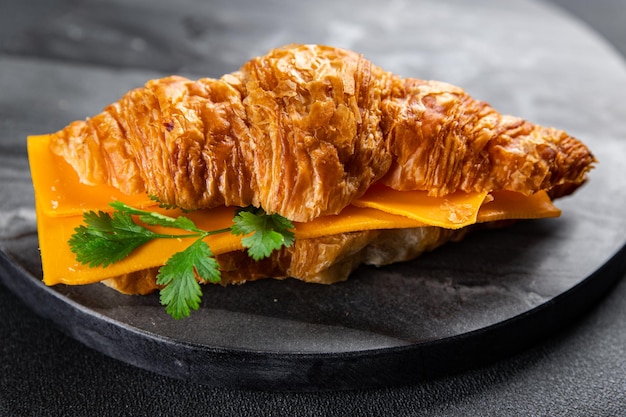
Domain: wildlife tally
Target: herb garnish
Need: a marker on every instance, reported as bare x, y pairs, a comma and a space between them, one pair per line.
105, 239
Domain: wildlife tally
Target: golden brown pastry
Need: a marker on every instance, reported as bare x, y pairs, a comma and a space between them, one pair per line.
303, 132
324, 260
306, 129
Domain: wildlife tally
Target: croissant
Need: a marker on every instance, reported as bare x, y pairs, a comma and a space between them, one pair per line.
304, 131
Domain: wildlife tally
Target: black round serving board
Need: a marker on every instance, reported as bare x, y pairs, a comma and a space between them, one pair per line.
458, 307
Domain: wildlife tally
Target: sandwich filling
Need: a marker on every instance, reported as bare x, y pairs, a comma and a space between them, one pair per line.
61, 200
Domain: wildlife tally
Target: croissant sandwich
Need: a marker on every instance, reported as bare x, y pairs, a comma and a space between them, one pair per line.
366, 167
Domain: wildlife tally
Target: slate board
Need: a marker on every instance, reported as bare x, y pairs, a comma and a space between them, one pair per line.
462, 305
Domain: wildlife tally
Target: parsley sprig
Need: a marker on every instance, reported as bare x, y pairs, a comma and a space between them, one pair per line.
105, 239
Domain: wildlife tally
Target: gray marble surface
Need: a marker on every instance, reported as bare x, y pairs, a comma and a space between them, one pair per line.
63, 61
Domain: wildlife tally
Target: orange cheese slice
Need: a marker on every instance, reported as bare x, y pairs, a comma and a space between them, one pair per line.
61, 201
59, 191
60, 266
453, 211
507, 205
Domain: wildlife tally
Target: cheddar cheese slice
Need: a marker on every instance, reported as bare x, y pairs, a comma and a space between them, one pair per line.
61, 201
453, 211
58, 190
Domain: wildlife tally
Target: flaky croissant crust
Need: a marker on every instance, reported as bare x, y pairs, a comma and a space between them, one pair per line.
306, 129
323, 260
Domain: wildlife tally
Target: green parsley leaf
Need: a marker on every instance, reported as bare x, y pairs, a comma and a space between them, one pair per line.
267, 232
104, 239
182, 291
156, 199
153, 218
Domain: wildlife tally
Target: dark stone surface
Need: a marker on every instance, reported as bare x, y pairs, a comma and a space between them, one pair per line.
62, 62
